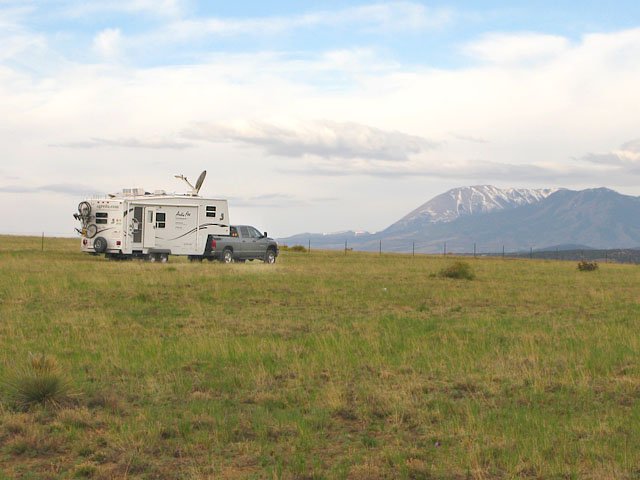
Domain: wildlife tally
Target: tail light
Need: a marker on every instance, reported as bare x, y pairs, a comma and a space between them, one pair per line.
213, 243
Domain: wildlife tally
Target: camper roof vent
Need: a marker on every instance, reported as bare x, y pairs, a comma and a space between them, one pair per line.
133, 191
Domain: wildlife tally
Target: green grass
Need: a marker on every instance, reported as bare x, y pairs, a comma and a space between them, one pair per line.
323, 365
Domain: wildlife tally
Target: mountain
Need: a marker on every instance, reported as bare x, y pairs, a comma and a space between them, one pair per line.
491, 219
463, 201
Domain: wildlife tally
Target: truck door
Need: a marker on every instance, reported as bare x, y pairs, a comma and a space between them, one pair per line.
149, 234
246, 244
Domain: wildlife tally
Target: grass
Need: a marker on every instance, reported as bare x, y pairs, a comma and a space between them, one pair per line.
324, 365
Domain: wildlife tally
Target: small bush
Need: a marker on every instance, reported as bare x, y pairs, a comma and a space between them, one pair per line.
295, 248
458, 269
585, 266
41, 381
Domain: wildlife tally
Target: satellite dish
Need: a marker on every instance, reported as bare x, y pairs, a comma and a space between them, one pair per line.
199, 182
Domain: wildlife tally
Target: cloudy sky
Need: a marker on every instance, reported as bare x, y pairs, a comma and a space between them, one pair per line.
312, 116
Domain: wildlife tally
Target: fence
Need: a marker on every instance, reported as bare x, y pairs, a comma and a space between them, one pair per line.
618, 255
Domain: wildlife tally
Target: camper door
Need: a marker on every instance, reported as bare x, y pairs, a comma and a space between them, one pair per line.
149, 235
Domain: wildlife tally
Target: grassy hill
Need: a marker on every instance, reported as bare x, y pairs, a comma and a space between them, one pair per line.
324, 365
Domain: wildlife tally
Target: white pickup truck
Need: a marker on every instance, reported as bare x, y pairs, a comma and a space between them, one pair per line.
243, 243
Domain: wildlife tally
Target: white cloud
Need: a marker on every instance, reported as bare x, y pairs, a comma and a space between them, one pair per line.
627, 155
158, 143
160, 8
380, 17
516, 47
325, 139
107, 43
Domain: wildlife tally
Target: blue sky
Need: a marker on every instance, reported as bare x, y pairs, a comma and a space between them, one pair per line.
313, 116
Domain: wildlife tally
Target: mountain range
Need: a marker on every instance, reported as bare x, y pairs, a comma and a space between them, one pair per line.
488, 219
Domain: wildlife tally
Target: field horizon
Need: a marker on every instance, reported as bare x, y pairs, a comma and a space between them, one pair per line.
324, 365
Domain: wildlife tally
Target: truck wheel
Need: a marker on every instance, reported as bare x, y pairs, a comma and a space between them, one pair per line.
227, 256
270, 257
100, 245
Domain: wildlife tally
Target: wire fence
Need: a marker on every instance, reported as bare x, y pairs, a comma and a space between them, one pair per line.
413, 248
617, 255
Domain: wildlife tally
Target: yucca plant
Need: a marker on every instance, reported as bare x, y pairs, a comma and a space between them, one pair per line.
40, 381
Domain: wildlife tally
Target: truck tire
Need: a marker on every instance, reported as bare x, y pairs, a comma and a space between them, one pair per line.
270, 256
227, 256
100, 245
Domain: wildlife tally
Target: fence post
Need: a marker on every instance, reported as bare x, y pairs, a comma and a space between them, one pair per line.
502, 251
413, 250
380, 247
474, 250
345, 247
309, 249
530, 253
42, 245
445, 249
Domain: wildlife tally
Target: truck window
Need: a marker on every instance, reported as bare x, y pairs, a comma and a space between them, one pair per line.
254, 233
244, 231
102, 217
233, 231
160, 219
211, 211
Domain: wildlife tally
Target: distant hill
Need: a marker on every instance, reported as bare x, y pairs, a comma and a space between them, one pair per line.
492, 218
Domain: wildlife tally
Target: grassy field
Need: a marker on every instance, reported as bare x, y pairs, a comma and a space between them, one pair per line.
321, 366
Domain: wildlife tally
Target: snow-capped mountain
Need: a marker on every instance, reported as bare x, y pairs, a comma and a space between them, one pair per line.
463, 201
490, 219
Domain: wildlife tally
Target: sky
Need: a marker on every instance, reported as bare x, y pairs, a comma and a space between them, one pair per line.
312, 116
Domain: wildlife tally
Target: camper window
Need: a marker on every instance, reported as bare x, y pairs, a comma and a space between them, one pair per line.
211, 211
160, 219
102, 217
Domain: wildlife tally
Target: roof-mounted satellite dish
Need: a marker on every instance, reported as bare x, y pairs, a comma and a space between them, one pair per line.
200, 181
196, 189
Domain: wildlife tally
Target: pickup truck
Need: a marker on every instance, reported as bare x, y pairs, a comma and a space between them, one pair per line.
243, 243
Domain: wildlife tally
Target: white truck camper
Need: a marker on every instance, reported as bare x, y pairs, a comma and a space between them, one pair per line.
151, 226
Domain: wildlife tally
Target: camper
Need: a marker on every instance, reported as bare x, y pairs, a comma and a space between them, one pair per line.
151, 226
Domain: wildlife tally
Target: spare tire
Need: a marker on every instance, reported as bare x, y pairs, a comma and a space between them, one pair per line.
100, 245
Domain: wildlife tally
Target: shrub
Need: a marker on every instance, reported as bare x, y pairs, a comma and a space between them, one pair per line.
295, 248
458, 269
585, 266
41, 381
